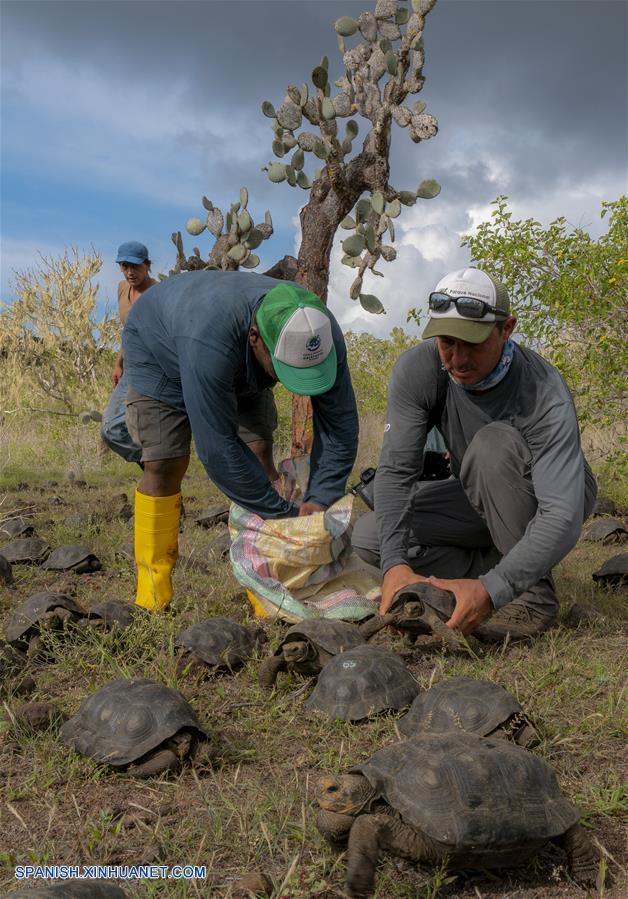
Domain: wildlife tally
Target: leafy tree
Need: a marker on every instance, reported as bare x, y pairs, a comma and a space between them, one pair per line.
351, 186
569, 292
50, 337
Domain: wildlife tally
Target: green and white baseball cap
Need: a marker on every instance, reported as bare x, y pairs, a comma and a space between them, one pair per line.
296, 328
468, 282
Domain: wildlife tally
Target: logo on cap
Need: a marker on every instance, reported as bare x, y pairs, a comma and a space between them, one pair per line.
313, 343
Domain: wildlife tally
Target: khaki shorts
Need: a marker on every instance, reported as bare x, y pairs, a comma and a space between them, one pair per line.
164, 432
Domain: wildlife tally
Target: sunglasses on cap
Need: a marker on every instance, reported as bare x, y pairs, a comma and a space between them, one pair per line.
467, 307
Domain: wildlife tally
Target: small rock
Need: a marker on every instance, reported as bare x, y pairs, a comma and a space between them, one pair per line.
50, 483
25, 687
255, 883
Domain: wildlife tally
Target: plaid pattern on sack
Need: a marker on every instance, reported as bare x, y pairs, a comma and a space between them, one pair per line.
303, 567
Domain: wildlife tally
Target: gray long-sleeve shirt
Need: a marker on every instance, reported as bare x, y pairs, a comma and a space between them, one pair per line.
186, 344
534, 399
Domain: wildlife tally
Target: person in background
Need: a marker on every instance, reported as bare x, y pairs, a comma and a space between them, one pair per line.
521, 487
134, 262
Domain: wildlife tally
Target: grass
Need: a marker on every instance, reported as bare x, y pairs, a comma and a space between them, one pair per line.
254, 809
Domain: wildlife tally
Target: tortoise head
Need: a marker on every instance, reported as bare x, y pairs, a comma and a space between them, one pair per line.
299, 651
412, 609
347, 794
56, 618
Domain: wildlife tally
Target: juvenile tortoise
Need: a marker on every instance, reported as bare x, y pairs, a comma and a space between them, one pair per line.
362, 682
613, 572
607, 531
467, 801
72, 558
25, 551
308, 646
216, 643
42, 611
138, 725
16, 527
472, 706
604, 505
113, 614
218, 514
422, 609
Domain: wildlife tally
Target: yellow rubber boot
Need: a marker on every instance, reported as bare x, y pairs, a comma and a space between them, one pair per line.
156, 548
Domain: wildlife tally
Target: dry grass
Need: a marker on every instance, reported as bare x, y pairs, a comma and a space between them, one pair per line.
253, 809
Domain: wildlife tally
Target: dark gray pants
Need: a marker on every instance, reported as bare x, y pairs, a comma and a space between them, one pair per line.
461, 528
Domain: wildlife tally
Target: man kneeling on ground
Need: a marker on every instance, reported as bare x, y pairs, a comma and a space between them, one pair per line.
202, 352
520, 489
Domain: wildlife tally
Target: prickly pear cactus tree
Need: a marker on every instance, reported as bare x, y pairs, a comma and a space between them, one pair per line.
350, 184
235, 235
349, 187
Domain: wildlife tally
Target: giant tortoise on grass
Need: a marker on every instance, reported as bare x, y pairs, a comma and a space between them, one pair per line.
113, 614
614, 572
16, 527
216, 643
454, 798
362, 682
74, 558
138, 725
606, 531
25, 551
471, 706
40, 612
308, 646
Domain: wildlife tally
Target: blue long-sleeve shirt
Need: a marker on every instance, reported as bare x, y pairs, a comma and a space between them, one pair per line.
186, 344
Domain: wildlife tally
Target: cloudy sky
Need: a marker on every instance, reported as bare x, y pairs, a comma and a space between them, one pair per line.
118, 116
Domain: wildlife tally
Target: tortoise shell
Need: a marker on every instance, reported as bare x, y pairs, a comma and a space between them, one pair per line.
25, 550
362, 682
443, 601
126, 551
324, 633
73, 890
613, 572
460, 704
213, 516
16, 527
6, 572
220, 546
125, 719
27, 614
72, 558
606, 530
470, 792
604, 505
115, 613
220, 641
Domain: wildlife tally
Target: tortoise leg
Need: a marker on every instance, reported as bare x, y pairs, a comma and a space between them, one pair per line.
452, 640
363, 853
375, 624
158, 763
269, 670
582, 858
334, 826
373, 834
